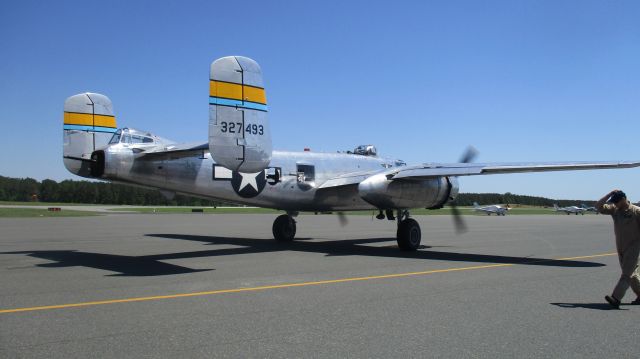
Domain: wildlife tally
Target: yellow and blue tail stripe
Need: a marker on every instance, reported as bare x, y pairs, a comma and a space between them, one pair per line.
89, 122
237, 95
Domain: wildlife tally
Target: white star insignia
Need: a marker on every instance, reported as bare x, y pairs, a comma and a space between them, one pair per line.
248, 179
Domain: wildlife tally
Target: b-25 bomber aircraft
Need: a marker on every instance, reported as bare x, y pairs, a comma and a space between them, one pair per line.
237, 163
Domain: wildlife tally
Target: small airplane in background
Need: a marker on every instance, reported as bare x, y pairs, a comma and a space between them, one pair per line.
492, 209
234, 161
571, 209
589, 208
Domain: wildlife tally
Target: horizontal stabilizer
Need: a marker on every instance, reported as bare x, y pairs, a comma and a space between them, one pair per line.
174, 151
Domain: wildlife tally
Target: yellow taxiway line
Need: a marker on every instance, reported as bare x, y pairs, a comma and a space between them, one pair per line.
289, 285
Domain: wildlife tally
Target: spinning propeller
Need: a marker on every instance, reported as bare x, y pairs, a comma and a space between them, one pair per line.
343, 219
467, 157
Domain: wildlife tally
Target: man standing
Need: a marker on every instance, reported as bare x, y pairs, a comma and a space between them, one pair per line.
626, 226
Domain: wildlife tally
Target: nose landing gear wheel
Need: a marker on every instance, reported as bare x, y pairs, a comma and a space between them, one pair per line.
284, 228
409, 235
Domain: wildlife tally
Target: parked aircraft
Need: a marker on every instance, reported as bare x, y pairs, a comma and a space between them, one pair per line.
492, 209
571, 209
237, 163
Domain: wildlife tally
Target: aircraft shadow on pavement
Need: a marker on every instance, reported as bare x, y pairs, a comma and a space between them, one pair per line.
350, 247
596, 306
154, 265
139, 266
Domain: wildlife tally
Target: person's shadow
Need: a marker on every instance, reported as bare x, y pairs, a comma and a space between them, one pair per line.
596, 306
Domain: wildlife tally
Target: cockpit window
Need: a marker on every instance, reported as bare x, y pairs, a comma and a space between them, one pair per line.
133, 139
115, 138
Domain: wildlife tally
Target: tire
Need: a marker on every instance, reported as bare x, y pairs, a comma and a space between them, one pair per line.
284, 228
409, 235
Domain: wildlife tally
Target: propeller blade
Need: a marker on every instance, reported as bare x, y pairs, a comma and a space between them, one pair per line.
458, 222
343, 219
469, 155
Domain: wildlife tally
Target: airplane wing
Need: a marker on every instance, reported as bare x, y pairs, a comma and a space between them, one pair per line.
431, 170
349, 178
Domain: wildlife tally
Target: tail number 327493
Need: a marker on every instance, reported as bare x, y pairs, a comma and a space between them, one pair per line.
236, 127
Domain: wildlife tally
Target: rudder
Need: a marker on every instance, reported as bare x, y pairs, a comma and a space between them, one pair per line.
239, 131
89, 124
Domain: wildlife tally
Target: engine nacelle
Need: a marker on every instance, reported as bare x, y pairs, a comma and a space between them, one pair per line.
404, 194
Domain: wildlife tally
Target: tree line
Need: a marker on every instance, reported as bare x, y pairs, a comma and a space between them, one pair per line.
70, 191
467, 199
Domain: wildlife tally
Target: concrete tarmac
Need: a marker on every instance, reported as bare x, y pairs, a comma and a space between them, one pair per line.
199, 285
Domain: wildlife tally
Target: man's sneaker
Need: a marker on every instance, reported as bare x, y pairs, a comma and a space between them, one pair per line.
636, 302
612, 301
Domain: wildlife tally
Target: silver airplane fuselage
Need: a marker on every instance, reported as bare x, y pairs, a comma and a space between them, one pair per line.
298, 186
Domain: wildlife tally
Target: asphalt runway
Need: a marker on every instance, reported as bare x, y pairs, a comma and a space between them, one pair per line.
194, 285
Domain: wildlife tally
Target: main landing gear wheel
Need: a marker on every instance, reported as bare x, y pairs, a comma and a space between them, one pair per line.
409, 234
284, 228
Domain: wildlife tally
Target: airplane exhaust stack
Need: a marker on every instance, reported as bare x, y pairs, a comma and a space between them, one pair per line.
89, 124
239, 131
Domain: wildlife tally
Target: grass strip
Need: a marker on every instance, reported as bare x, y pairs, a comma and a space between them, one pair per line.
42, 212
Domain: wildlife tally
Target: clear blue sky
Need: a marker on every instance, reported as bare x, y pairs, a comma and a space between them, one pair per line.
519, 80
